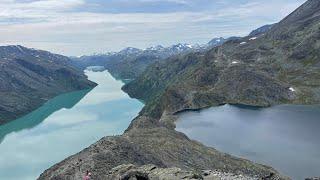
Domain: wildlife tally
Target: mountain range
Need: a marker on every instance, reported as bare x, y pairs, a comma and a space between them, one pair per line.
130, 62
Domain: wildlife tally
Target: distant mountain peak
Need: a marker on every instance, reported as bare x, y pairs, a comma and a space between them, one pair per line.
217, 41
130, 50
261, 30
155, 48
181, 47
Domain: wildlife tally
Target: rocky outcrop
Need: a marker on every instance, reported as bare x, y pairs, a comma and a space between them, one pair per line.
314, 178
149, 172
29, 77
152, 172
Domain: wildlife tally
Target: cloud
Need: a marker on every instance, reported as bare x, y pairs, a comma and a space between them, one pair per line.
42, 4
170, 1
72, 27
63, 11
36, 9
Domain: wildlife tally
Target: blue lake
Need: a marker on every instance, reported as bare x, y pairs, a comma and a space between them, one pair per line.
285, 137
64, 126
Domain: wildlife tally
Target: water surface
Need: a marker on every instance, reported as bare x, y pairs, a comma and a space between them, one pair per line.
63, 126
285, 137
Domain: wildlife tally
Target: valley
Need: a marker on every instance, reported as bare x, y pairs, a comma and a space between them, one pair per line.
232, 108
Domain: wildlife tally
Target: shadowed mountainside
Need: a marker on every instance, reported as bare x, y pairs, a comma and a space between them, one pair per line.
29, 77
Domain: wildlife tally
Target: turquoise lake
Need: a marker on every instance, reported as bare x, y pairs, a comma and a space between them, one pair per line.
285, 137
64, 126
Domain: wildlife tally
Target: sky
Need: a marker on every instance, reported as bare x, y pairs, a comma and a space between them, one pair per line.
79, 27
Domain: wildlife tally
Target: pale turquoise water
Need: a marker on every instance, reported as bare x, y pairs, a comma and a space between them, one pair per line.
64, 126
285, 137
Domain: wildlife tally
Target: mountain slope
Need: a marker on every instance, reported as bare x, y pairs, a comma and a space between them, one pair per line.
29, 77
280, 66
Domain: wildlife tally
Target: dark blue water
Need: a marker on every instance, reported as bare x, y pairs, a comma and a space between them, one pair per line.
285, 137
64, 126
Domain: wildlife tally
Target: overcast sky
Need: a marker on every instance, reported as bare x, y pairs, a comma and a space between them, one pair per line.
77, 27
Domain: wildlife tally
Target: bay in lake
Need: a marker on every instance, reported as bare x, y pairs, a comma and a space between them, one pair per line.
64, 126
285, 137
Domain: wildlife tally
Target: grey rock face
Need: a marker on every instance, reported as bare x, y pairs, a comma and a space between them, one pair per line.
152, 172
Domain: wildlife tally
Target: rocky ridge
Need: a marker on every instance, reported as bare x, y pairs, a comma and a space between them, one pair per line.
163, 147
